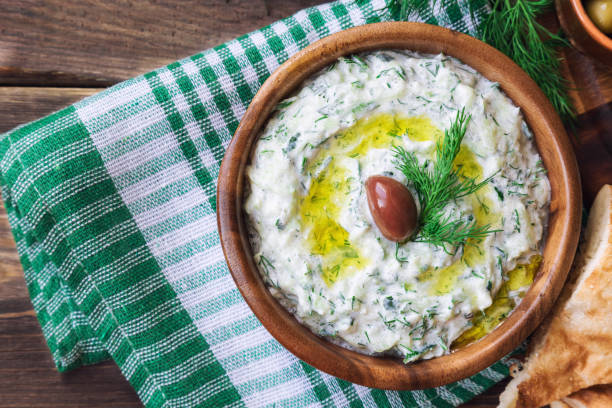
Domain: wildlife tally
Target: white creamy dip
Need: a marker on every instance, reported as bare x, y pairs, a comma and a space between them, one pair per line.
313, 236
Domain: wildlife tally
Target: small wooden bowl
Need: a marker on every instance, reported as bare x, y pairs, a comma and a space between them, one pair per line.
583, 33
564, 225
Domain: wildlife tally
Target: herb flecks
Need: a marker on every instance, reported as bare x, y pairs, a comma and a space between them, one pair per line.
512, 28
437, 183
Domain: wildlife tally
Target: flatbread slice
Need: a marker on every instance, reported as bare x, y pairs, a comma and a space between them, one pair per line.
572, 349
598, 396
559, 404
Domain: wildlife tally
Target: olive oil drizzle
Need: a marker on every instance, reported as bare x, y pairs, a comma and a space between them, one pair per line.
320, 209
484, 322
327, 239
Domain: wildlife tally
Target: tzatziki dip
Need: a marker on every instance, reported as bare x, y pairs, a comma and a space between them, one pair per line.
317, 245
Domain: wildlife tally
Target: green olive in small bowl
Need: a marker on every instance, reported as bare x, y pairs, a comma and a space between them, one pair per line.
588, 25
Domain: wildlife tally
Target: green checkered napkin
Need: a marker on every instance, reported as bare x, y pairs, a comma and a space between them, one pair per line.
112, 205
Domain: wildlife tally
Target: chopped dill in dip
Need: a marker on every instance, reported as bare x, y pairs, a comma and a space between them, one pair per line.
316, 244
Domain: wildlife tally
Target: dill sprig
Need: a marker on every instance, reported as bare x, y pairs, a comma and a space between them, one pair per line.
437, 183
511, 27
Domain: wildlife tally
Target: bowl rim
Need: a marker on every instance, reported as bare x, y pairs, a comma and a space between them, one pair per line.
594, 32
564, 220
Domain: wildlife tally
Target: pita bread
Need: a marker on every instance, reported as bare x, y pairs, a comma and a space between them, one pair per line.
559, 404
572, 349
599, 396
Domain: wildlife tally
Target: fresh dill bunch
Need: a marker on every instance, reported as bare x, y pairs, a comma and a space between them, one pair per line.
437, 183
511, 27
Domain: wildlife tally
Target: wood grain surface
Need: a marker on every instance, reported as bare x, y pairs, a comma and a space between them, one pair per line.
98, 43
54, 52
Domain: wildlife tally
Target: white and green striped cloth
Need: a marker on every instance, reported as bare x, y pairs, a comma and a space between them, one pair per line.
112, 205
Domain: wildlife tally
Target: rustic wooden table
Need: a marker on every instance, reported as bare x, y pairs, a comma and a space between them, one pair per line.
55, 52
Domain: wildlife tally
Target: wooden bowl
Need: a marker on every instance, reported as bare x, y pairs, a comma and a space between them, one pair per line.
582, 32
565, 208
